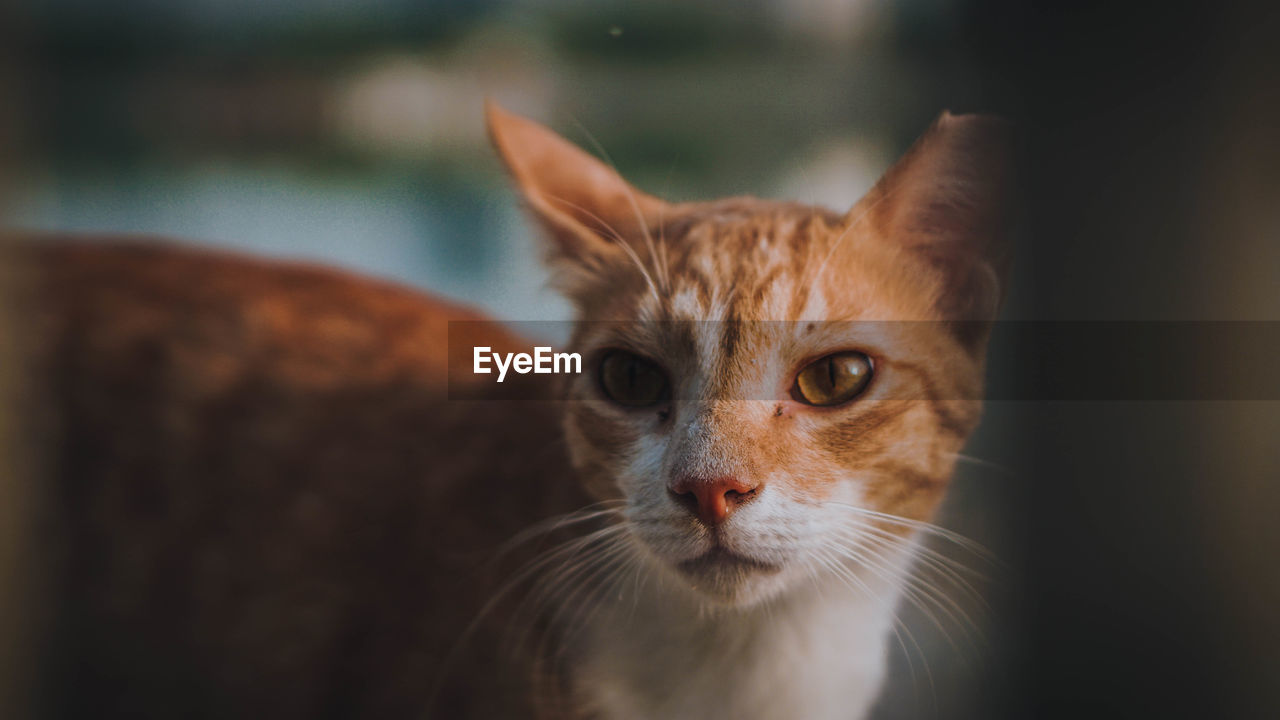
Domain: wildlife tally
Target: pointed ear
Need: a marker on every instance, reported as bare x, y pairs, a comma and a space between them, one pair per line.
946, 200
587, 208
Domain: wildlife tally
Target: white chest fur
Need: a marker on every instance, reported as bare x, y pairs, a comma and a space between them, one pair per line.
817, 654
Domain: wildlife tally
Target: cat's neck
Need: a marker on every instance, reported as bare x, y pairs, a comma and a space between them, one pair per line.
655, 651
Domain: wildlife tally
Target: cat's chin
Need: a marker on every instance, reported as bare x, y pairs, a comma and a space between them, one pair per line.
731, 580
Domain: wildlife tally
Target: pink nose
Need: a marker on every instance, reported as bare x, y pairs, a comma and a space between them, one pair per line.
712, 499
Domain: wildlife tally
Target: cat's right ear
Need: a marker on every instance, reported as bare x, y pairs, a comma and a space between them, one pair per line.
589, 211
948, 202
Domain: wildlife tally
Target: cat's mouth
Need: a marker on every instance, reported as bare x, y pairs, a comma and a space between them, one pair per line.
719, 560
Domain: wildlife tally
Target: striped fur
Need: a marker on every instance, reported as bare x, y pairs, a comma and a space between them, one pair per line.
732, 298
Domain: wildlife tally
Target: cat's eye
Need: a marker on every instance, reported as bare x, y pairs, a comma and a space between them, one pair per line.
834, 379
632, 381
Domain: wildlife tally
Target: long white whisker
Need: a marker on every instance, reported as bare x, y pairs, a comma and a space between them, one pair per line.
665, 264
528, 570
937, 531
918, 589
933, 559
583, 557
909, 592
922, 593
568, 584
835, 565
557, 522
612, 569
619, 240
631, 196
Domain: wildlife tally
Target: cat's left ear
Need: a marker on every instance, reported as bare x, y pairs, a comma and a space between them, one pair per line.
946, 201
588, 210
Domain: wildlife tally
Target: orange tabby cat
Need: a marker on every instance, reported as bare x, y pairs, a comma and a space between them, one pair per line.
265, 502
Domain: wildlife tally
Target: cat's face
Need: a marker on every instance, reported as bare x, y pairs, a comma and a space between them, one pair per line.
761, 379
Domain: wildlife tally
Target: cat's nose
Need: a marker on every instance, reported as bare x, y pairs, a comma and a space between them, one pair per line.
712, 499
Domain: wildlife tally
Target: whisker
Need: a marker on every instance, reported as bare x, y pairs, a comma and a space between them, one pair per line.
631, 196
922, 593
959, 540
948, 567
567, 573
557, 522
833, 564
665, 264
619, 240
609, 571
528, 570
918, 589
911, 594
611, 554
987, 464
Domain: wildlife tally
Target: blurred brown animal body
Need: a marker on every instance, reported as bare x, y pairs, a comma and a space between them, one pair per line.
269, 506
261, 501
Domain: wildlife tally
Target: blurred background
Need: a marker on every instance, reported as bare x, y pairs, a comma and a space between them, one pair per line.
1144, 555
352, 132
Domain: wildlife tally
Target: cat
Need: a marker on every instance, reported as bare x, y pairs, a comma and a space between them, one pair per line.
265, 493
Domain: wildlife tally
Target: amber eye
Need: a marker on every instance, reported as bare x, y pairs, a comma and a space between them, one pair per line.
631, 380
833, 379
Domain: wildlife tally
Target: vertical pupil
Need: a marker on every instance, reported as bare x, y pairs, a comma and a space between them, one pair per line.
631, 372
831, 373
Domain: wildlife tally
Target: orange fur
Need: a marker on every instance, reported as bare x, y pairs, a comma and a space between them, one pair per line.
262, 498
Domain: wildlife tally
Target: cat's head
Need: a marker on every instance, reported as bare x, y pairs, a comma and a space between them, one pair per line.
764, 380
